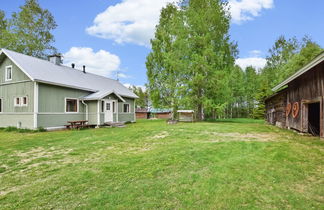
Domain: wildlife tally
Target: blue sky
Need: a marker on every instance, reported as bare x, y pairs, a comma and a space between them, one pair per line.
113, 35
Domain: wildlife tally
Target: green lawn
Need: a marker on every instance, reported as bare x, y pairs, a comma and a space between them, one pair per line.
226, 165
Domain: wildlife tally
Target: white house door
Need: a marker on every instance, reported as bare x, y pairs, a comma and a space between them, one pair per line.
109, 111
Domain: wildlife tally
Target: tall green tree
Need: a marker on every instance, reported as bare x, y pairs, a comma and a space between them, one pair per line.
285, 58
211, 55
142, 100
3, 21
192, 57
251, 85
29, 31
164, 64
237, 101
284, 51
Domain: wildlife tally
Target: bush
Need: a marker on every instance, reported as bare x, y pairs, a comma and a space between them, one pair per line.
23, 130
10, 129
41, 129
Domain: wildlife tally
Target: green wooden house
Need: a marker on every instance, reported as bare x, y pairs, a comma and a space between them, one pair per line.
38, 93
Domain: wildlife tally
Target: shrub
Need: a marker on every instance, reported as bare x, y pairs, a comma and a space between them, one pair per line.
41, 129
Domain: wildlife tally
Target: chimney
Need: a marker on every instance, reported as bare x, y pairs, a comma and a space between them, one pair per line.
56, 59
73, 65
84, 69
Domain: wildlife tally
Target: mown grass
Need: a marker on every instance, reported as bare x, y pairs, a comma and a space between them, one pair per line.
242, 164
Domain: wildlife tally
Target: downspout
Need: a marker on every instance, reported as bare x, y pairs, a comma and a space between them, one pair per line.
87, 113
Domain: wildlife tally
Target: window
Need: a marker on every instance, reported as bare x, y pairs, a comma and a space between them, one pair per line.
21, 101
126, 108
24, 101
1, 105
8, 75
71, 105
17, 101
108, 106
102, 106
114, 109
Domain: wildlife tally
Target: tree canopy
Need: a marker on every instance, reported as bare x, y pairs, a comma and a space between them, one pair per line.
28, 31
192, 63
192, 57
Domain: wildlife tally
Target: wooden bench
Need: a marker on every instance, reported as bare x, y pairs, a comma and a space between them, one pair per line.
77, 124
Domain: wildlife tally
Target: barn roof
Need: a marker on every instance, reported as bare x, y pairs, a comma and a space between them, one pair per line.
303, 70
46, 72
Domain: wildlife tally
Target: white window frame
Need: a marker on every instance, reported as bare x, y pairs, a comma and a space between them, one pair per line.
102, 106
6, 73
66, 103
114, 106
15, 102
22, 101
1, 105
129, 108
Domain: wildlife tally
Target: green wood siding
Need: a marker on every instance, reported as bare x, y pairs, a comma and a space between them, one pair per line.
24, 119
92, 111
51, 105
19, 86
10, 91
52, 98
57, 120
17, 74
123, 117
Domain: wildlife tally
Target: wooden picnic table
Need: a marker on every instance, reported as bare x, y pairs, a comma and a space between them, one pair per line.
77, 124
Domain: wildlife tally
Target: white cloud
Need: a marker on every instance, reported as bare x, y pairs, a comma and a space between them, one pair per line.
102, 62
122, 75
131, 21
139, 86
255, 53
255, 62
134, 21
245, 10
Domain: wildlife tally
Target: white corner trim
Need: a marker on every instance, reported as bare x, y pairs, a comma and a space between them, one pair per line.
98, 113
134, 111
117, 111
86, 107
35, 104
1, 105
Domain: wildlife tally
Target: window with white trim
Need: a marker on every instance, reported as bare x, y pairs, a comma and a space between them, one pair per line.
17, 101
8, 73
24, 101
102, 106
114, 107
1, 105
71, 105
126, 108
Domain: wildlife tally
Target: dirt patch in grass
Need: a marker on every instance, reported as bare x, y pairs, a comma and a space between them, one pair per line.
161, 135
40, 152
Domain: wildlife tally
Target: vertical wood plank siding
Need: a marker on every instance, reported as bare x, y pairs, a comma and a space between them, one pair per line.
307, 88
19, 86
